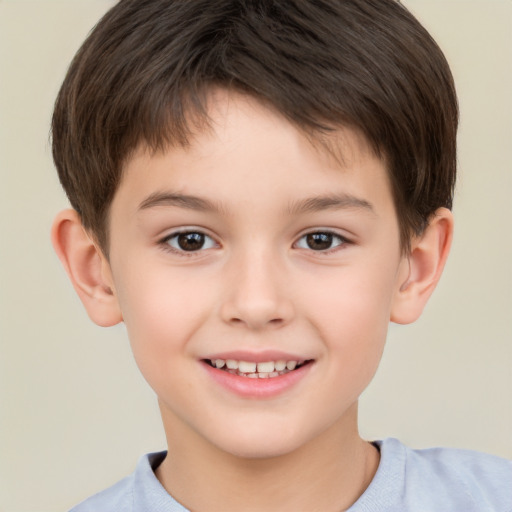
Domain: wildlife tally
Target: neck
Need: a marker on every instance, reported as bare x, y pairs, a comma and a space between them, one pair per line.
329, 473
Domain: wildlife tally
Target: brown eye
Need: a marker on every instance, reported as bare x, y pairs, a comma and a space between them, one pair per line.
321, 241
190, 241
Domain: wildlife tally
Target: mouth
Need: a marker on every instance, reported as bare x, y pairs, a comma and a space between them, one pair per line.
260, 370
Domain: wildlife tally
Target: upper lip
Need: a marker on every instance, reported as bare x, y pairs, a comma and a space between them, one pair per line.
257, 356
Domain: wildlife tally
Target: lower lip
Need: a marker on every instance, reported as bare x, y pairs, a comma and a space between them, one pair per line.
257, 388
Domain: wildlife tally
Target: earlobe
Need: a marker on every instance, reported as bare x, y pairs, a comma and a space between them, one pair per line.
87, 268
423, 267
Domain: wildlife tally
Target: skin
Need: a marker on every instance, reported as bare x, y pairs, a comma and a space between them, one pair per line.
257, 285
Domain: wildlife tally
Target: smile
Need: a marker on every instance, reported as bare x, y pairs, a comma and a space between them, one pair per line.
264, 376
252, 370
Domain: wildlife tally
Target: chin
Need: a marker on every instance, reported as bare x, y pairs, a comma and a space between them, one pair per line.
261, 444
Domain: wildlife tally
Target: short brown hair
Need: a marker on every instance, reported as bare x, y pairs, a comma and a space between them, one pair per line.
365, 64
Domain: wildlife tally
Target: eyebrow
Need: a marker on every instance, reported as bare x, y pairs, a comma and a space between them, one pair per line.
330, 202
179, 200
307, 205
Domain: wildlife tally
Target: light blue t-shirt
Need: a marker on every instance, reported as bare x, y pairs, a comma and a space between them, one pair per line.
433, 480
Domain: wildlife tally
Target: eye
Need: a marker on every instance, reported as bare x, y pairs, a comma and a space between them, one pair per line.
189, 241
321, 241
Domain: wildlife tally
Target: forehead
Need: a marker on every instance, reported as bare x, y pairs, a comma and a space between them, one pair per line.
245, 149
211, 120
227, 110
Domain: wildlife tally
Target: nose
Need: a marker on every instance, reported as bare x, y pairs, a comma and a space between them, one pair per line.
257, 293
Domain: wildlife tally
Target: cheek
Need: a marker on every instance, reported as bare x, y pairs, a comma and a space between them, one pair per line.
351, 300
351, 314
161, 314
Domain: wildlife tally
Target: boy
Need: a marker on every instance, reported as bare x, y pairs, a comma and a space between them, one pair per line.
259, 187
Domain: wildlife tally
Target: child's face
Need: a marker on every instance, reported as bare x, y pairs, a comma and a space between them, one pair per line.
292, 256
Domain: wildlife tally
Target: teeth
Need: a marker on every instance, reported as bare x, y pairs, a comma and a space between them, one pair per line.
266, 367
280, 366
246, 367
264, 370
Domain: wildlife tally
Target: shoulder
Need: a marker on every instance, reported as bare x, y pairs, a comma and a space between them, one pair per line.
481, 479
444, 479
133, 493
116, 498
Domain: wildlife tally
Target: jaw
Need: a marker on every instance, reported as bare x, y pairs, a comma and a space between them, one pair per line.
334, 459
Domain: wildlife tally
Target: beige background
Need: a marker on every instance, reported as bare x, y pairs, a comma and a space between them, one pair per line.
75, 413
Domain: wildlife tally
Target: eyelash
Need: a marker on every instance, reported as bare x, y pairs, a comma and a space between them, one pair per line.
166, 245
342, 241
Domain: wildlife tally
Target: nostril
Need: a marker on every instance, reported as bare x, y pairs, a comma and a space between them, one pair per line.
255, 312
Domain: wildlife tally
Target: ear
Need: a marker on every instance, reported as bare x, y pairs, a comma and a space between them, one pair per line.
87, 268
423, 267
